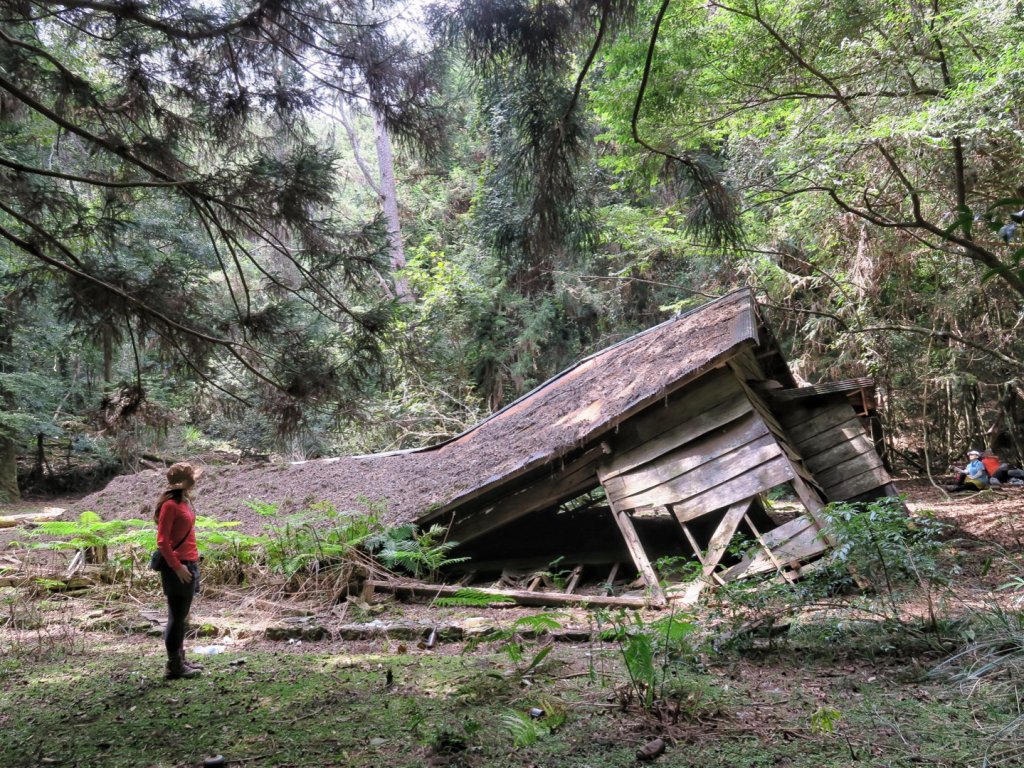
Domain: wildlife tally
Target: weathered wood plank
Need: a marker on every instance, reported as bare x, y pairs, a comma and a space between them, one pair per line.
783, 438
759, 403
685, 595
850, 429
694, 428
711, 390
807, 487
766, 550
752, 482
717, 545
612, 574
574, 579
694, 545
863, 462
824, 419
636, 551
723, 534
862, 483
713, 475
839, 453
690, 456
797, 540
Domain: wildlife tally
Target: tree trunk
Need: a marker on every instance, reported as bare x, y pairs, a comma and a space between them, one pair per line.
107, 337
389, 200
9, 492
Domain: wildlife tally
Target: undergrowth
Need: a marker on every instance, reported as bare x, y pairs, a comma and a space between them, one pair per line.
517, 698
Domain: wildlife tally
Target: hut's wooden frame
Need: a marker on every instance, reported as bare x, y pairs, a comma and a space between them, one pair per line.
727, 433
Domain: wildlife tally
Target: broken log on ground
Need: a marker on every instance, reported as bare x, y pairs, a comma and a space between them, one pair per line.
517, 596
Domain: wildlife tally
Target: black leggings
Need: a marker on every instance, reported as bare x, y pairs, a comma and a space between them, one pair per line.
179, 602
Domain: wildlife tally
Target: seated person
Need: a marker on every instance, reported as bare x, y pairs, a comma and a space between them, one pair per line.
973, 477
998, 470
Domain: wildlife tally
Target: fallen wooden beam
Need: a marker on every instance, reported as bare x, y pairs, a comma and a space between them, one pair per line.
51, 584
519, 596
47, 513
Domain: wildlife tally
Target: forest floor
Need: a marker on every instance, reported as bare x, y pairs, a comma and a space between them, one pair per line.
767, 677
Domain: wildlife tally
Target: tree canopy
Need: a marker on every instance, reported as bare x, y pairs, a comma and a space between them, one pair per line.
181, 215
162, 169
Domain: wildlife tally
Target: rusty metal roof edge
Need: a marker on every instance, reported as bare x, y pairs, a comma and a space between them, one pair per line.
824, 388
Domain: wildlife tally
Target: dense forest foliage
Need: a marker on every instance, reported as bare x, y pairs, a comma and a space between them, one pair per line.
312, 228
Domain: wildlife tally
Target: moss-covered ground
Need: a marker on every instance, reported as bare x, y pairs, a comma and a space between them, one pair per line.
102, 701
845, 679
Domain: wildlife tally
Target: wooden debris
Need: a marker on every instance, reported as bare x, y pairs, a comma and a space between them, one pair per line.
76, 563
611, 575
574, 579
520, 597
636, 550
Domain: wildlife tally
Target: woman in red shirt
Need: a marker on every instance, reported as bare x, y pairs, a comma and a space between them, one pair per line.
179, 575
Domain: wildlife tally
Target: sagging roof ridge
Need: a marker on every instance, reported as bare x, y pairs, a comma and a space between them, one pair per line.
751, 332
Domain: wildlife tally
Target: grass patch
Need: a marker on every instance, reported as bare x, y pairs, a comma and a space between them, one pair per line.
110, 706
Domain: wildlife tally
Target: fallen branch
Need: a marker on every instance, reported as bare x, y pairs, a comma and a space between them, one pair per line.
48, 513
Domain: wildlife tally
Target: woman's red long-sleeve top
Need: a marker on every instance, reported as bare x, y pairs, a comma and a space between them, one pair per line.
175, 519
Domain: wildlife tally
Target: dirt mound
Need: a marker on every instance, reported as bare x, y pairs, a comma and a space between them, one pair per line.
224, 491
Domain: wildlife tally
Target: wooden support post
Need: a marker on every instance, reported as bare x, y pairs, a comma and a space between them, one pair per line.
779, 566
723, 535
693, 543
701, 558
716, 549
612, 574
636, 551
813, 504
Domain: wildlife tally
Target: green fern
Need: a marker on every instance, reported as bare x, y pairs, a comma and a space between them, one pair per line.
525, 731
472, 598
421, 553
90, 530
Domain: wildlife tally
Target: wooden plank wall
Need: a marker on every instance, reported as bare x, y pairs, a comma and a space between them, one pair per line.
797, 540
746, 367
831, 438
714, 451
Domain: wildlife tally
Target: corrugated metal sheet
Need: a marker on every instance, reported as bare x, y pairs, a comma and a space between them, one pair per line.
833, 387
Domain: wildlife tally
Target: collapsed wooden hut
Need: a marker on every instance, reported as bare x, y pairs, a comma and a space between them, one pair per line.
677, 434
664, 445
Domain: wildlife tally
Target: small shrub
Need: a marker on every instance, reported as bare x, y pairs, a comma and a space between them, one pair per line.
651, 654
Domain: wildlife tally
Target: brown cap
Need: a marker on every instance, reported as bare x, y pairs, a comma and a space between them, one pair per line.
182, 476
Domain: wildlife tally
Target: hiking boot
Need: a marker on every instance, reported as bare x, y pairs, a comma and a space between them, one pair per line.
175, 669
189, 664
